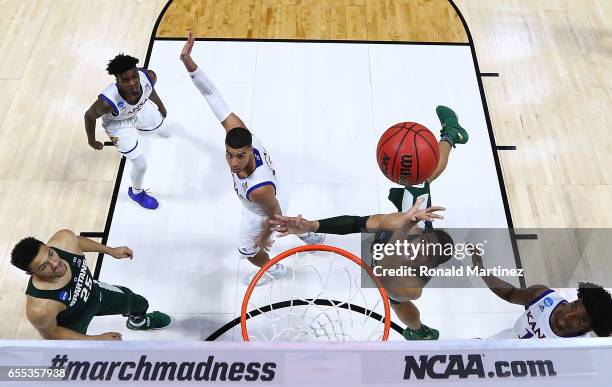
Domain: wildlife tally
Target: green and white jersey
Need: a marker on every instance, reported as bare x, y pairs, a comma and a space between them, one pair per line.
81, 294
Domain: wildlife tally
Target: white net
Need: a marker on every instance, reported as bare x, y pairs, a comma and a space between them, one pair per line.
321, 298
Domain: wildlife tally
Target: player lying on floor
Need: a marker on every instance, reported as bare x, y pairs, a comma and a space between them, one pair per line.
403, 226
63, 297
548, 315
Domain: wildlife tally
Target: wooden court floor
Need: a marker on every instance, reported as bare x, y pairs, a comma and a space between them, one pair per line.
552, 99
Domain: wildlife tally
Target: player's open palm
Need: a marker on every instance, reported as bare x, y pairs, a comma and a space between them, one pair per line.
398, 220
416, 213
186, 52
286, 225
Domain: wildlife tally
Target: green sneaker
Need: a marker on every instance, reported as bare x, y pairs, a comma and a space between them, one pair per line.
425, 333
154, 320
451, 130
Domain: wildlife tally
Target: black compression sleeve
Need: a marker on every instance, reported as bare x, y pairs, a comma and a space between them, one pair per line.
342, 225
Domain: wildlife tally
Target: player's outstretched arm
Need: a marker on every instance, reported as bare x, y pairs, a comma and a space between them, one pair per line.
95, 111
347, 224
69, 241
507, 291
207, 88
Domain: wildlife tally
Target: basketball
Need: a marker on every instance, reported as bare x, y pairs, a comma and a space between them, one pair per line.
407, 153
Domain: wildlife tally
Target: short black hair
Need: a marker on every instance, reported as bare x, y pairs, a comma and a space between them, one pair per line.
24, 252
598, 304
121, 63
238, 138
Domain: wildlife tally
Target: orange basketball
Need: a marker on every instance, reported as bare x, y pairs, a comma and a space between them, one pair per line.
407, 153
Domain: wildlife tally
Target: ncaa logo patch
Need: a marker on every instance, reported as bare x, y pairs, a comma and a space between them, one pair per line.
63, 296
120, 104
548, 301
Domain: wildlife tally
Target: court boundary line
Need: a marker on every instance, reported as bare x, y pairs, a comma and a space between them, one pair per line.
285, 40
113, 203
500, 176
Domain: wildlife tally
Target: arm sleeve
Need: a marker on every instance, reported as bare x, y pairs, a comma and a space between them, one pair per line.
209, 91
342, 225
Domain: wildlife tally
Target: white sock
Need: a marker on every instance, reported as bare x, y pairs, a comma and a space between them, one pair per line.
139, 167
212, 95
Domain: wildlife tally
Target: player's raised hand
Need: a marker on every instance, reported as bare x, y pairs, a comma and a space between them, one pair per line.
398, 220
186, 52
286, 225
416, 213
190, 65
122, 252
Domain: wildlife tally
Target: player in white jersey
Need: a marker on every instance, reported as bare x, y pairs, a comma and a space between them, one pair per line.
255, 180
548, 315
129, 106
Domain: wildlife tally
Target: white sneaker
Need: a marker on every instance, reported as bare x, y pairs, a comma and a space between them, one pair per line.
275, 272
312, 238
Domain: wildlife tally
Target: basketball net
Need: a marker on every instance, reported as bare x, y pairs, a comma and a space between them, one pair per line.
321, 298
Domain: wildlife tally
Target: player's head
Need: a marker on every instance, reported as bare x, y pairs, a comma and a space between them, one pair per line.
238, 148
123, 67
591, 311
34, 257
